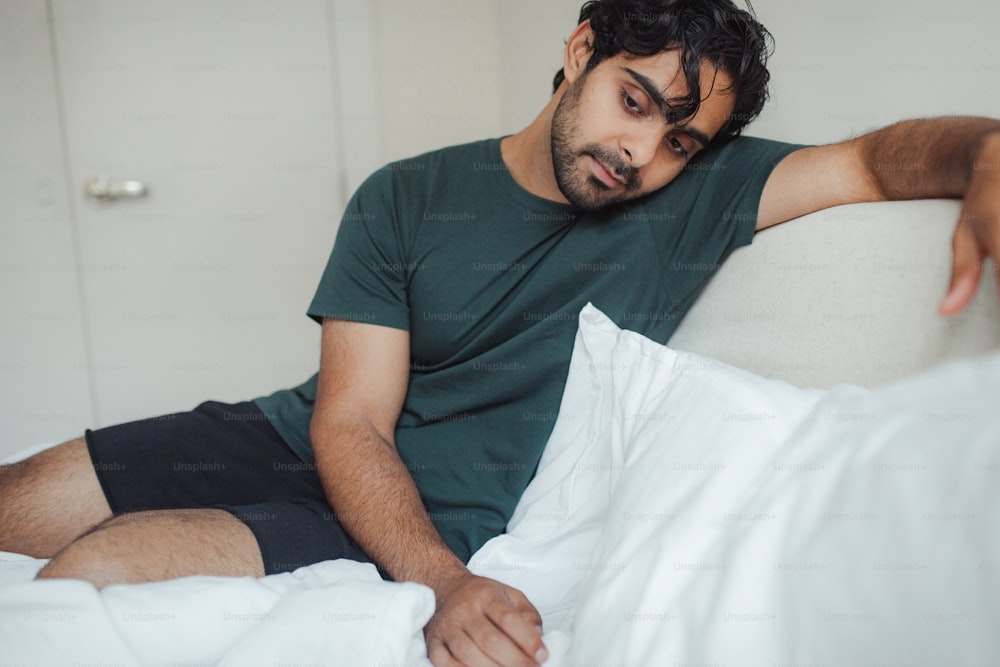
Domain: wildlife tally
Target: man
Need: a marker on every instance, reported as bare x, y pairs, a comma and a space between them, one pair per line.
448, 311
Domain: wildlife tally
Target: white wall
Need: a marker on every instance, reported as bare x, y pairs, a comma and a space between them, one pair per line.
438, 66
839, 68
845, 67
451, 71
534, 38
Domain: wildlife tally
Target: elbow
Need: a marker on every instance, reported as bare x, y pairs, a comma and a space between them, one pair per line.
336, 434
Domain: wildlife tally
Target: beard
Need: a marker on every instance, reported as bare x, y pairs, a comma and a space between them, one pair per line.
578, 184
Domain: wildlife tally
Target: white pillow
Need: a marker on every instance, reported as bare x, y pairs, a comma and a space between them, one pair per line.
556, 524
753, 520
547, 549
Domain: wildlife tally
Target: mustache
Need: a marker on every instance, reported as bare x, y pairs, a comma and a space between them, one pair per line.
613, 161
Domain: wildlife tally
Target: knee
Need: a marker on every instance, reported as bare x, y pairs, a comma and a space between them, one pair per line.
49, 499
156, 545
100, 573
89, 558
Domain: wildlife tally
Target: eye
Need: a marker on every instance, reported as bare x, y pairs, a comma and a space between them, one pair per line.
630, 104
677, 146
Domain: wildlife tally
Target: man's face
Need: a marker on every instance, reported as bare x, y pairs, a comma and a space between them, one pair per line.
610, 140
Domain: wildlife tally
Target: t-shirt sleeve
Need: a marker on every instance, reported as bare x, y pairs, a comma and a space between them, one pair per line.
365, 277
734, 179
708, 211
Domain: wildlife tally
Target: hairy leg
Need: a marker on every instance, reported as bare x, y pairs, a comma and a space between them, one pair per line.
48, 500
157, 545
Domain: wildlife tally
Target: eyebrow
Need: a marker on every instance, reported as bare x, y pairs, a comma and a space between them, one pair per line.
654, 94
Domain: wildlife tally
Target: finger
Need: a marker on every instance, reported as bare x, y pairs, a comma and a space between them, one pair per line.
520, 600
439, 655
966, 269
527, 610
470, 650
522, 624
497, 644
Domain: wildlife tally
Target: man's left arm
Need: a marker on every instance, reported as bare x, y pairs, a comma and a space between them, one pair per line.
915, 159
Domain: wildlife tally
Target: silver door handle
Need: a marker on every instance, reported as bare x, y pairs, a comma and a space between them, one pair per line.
105, 190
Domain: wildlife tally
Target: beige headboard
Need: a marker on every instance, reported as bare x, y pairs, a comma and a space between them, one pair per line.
849, 294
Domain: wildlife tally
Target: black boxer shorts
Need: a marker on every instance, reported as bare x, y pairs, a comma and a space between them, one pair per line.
223, 456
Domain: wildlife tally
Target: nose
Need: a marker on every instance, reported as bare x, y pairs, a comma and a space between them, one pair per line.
639, 147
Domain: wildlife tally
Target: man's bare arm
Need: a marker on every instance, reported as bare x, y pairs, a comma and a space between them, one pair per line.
917, 159
364, 372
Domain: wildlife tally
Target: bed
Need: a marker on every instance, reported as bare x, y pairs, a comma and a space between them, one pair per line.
808, 475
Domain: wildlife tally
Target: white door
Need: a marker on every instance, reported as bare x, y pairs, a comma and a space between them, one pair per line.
225, 112
44, 393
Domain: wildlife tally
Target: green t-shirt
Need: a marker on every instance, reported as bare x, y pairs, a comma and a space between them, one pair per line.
489, 280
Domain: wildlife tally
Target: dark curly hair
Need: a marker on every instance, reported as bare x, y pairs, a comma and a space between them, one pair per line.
713, 31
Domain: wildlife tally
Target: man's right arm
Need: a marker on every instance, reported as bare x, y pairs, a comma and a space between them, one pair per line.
364, 371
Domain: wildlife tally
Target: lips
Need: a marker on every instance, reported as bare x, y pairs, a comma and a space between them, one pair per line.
604, 174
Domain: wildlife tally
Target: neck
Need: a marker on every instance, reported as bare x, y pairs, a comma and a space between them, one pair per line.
528, 155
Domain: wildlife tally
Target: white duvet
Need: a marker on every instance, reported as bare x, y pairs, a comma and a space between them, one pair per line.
336, 613
684, 512
332, 613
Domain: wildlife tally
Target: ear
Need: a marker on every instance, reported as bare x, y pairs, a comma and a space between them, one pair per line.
579, 48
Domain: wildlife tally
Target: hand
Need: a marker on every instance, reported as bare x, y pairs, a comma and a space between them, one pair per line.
480, 621
977, 235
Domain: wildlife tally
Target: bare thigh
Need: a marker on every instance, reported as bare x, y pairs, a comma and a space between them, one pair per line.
50, 499
158, 545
